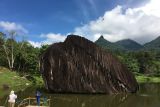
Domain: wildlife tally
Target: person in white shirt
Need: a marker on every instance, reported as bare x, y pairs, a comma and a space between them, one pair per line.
12, 98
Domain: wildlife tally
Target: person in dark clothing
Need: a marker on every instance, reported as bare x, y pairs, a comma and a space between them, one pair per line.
38, 95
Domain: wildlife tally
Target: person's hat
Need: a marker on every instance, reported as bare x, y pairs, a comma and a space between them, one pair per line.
12, 92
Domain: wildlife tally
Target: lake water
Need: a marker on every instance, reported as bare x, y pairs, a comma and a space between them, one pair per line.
148, 96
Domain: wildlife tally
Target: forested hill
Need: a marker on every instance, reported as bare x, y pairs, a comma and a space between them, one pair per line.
154, 44
107, 44
128, 45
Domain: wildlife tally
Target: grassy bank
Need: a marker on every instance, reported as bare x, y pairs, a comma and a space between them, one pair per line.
11, 81
147, 79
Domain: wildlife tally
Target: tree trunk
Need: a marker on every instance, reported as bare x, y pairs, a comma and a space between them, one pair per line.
7, 57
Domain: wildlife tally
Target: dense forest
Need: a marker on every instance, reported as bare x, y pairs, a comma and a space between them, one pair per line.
19, 56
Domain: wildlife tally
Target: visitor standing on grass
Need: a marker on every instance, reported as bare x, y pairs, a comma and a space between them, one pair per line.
12, 99
38, 95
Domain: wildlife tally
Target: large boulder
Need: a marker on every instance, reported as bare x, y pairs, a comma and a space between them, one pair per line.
77, 65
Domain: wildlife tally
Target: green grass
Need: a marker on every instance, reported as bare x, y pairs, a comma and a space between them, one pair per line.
13, 80
147, 79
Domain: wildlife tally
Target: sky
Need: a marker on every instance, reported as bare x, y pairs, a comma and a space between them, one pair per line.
49, 21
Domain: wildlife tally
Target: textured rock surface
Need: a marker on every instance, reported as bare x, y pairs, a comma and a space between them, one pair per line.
78, 65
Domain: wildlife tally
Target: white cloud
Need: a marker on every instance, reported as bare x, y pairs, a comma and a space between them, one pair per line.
49, 39
152, 8
52, 37
140, 24
12, 26
35, 44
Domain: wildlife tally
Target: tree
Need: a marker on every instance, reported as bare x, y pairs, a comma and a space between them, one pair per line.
2, 36
2, 54
145, 59
27, 59
43, 49
10, 47
129, 60
19, 55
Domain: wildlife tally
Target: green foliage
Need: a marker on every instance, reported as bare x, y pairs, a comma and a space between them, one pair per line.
26, 57
2, 55
43, 49
144, 62
143, 79
2, 35
130, 62
38, 81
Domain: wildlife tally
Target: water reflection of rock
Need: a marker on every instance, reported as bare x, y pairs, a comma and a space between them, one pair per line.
120, 100
91, 100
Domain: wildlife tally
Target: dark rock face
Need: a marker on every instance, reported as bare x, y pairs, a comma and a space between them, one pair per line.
79, 66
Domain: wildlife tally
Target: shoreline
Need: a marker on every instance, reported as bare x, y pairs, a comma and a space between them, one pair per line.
18, 83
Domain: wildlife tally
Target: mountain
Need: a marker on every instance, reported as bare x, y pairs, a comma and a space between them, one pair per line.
154, 44
107, 44
129, 44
